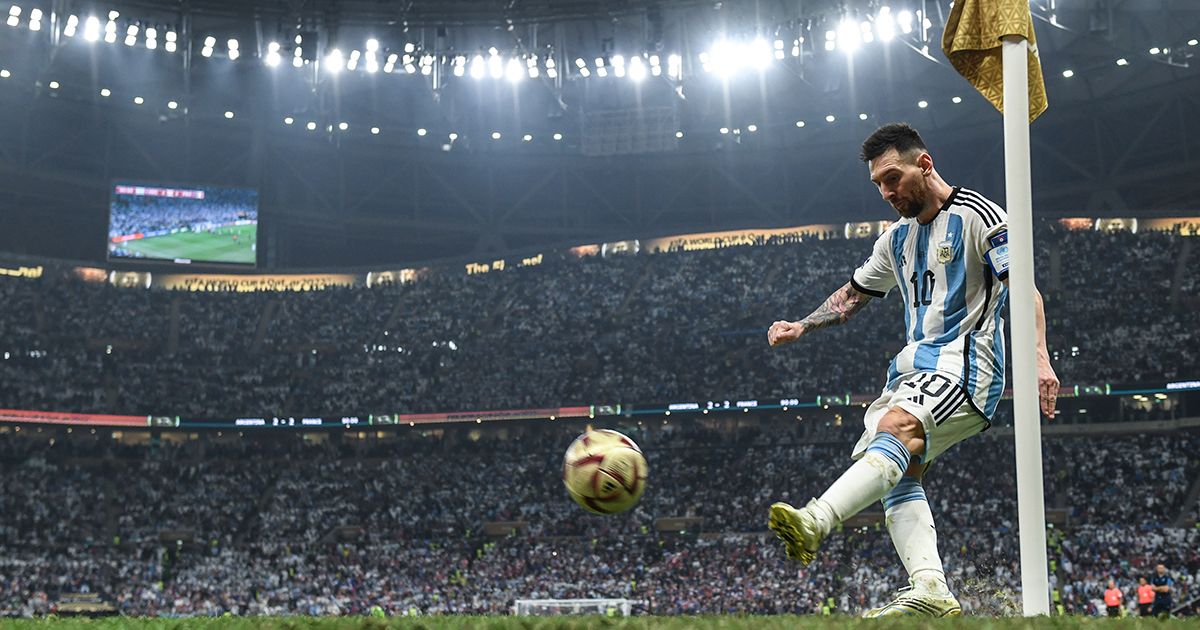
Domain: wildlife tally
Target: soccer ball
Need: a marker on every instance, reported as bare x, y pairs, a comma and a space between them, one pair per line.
604, 471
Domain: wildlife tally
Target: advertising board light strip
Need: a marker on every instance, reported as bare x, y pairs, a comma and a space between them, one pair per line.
53, 417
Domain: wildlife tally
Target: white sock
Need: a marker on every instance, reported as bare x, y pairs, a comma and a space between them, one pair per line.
910, 523
864, 483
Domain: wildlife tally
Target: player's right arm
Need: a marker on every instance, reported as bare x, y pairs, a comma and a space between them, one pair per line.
837, 309
874, 278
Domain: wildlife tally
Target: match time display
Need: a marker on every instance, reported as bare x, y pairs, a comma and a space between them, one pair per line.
183, 224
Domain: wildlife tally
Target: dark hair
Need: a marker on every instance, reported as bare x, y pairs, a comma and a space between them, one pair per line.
898, 136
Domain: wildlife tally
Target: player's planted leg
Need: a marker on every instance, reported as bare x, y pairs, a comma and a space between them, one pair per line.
862, 484
910, 523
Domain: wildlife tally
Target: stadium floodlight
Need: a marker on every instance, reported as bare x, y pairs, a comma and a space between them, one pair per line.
830, 118
410, 48
905, 19
343, 126
618, 65
495, 65
637, 69
1155, 50
1068, 73
273, 57
1122, 62
110, 35
232, 47
885, 24
758, 54
867, 35
830, 40
675, 67
922, 104
352, 64
800, 124
422, 131
527, 138
105, 92
372, 45
228, 115
54, 85
679, 134
14, 15
334, 61
956, 100
410, 68
374, 131
558, 136
724, 130
453, 136
35, 19
477, 67
751, 128
206, 52
372, 64
130, 40
796, 46
91, 29
297, 61
171, 43
849, 38
495, 135
172, 105
137, 100
4, 73
584, 72
288, 120
71, 26
513, 71
311, 126
862, 116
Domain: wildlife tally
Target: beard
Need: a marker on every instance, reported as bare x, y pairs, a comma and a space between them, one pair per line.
911, 205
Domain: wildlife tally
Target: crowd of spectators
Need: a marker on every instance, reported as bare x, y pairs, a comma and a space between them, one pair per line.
263, 516
133, 214
626, 329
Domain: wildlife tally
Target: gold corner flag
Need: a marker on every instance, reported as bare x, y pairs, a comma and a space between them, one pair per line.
972, 43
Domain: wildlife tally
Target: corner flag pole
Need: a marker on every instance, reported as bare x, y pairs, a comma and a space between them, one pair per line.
1031, 515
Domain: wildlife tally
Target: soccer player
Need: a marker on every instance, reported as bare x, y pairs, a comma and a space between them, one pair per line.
1162, 584
948, 255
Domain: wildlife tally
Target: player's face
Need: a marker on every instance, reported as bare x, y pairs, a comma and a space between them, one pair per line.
901, 182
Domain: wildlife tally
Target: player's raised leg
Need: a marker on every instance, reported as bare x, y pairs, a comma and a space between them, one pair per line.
896, 437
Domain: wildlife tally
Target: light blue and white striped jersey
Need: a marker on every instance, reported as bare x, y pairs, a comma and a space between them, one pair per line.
950, 276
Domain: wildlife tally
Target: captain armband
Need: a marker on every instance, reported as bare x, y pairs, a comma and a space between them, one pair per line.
997, 256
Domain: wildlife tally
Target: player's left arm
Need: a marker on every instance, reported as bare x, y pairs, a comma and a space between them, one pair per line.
1048, 385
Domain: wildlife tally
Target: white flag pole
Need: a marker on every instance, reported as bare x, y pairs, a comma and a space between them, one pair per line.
1035, 587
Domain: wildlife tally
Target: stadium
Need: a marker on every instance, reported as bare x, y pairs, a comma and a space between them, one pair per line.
302, 304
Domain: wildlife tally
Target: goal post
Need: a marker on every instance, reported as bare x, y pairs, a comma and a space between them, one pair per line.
600, 606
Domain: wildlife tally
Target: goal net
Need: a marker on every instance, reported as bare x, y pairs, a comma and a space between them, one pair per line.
606, 607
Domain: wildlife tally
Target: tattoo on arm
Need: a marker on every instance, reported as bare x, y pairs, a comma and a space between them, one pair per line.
837, 309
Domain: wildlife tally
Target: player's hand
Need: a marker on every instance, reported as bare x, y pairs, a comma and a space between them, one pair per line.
782, 332
1047, 387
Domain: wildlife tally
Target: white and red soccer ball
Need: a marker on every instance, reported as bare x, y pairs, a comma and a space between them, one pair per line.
604, 471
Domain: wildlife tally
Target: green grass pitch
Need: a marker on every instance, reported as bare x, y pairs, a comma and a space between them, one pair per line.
715, 622
218, 246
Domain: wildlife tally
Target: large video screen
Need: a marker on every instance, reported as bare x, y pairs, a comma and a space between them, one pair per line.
194, 224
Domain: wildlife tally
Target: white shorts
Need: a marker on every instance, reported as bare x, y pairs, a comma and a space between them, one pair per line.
937, 401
